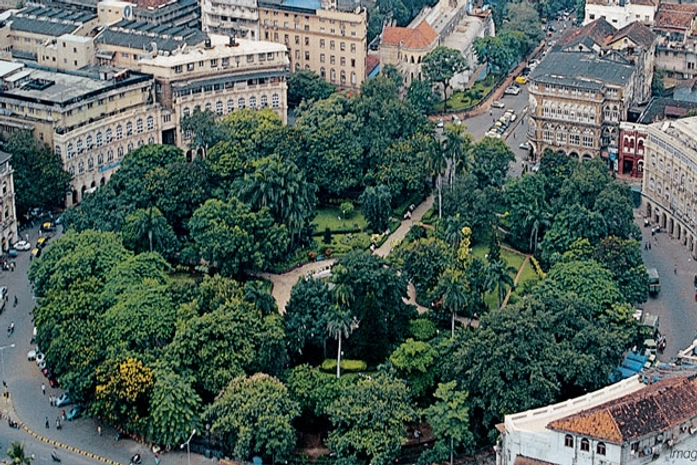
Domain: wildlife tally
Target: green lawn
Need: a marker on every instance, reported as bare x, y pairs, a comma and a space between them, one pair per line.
513, 259
343, 243
464, 99
331, 217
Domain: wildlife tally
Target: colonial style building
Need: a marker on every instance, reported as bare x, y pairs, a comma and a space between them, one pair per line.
625, 423
239, 18
8, 214
583, 89
320, 37
224, 75
91, 119
621, 13
669, 184
676, 52
454, 24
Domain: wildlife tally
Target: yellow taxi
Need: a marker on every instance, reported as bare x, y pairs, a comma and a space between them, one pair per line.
41, 242
521, 80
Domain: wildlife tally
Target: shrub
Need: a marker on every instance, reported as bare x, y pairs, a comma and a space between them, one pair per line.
422, 329
329, 365
327, 237
346, 209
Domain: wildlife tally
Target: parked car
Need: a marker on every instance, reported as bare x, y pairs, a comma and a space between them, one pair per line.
521, 80
512, 90
36, 252
63, 400
48, 226
456, 119
440, 124
74, 413
511, 114
31, 355
524, 146
498, 104
22, 245
41, 242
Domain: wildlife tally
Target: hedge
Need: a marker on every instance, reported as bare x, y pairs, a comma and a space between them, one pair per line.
329, 365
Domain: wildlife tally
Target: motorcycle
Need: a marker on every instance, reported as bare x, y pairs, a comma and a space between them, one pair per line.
136, 460
54, 456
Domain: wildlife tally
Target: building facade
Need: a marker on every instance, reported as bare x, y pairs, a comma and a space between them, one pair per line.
621, 13
625, 423
91, 119
320, 37
676, 52
224, 75
239, 18
584, 88
8, 214
669, 183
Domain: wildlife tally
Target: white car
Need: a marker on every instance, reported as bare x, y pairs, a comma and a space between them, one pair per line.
512, 90
21, 245
524, 146
440, 124
498, 104
510, 113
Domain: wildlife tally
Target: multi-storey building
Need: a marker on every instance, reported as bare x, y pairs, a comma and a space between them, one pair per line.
239, 18
676, 52
124, 43
625, 423
32, 27
320, 37
582, 90
90, 118
224, 75
621, 13
669, 183
453, 24
8, 214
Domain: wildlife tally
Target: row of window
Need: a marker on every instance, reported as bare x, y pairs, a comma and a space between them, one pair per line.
585, 445
106, 137
574, 137
225, 61
332, 75
220, 86
241, 103
306, 27
109, 158
674, 202
580, 113
587, 94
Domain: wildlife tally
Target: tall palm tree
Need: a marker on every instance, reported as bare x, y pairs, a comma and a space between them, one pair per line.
340, 324
501, 275
537, 218
17, 455
144, 222
455, 290
256, 293
436, 164
456, 147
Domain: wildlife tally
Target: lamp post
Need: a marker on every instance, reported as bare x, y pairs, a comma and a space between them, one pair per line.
188, 449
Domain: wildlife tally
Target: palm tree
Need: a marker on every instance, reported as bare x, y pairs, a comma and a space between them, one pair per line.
256, 293
455, 149
501, 275
144, 222
453, 232
538, 218
340, 324
436, 164
16, 454
455, 290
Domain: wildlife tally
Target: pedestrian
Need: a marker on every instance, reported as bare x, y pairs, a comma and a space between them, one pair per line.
514, 135
63, 414
43, 388
646, 246
491, 112
15, 304
58, 423
12, 266
649, 246
675, 269
50, 400
47, 425
99, 429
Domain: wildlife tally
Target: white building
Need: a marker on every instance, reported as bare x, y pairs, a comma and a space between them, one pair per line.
629, 422
620, 13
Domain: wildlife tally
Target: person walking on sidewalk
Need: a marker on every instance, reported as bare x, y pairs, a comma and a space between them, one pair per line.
43, 388
99, 429
47, 425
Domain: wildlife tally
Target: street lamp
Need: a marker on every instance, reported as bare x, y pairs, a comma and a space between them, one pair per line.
188, 441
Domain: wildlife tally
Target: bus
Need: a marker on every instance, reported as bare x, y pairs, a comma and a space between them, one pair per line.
654, 281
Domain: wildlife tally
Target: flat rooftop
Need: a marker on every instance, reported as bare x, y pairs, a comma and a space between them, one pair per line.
141, 35
219, 49
50, 87
584, 70
49, 21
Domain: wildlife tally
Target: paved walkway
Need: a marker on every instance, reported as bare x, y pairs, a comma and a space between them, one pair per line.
283, 283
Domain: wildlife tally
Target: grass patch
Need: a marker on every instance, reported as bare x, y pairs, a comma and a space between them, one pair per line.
342, 244
513, 259
462, 99
331, 217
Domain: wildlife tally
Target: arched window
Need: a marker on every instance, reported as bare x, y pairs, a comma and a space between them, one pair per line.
71, 170
150, 123
130, 147
343, 76
119, 132
108, 135
264, 101
151, 140
585, 445
569, 440
332, 75
275, 101
99, 139
230, 106
353, 76
219, 107
90, 163
241, 103
323, 73
70, 151
141, 143
80, 167
100, 159
129, 129
109, 156
209, 107
88, 141
186, 112
252, 102
58, 150
119, 152
79, 146
139, 126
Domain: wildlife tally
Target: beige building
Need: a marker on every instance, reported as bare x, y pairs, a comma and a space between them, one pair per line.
90, 119
582, 90
239, 18
8, 214
676, 52
33, 27
67, 52
222, 76
320, 37
669, 183
452, 23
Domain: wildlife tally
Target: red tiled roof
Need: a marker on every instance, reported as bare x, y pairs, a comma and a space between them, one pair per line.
371, 61
644, 2
675, 16
523, 460
598, 31
420, 37
656, 408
